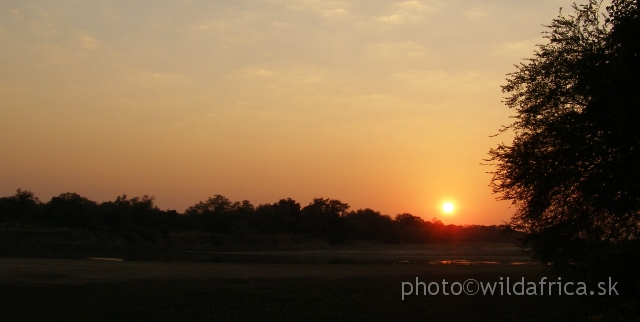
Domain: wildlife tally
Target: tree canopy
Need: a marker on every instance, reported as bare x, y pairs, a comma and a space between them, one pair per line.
229, 222
573, 168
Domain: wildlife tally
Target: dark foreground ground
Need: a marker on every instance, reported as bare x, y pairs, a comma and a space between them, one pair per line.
348, 284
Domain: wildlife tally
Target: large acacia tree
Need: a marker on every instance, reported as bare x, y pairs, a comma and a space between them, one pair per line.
573, 168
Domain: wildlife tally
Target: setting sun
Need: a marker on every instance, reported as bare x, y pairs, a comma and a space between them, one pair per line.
316, 113
447, 207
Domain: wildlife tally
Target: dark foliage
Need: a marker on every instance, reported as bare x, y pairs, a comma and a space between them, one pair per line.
73, 211
573, 168
280, 217
324, 219
24, 206
367, 224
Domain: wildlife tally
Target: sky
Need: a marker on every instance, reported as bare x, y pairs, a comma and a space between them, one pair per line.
388, 105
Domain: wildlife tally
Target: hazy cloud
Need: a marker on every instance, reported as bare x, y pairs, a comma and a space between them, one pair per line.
400, 85
408, 11
90, 43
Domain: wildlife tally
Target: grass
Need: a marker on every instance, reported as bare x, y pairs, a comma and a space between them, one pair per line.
45, 275
85, 290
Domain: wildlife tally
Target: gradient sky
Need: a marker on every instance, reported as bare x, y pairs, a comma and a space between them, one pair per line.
386, 105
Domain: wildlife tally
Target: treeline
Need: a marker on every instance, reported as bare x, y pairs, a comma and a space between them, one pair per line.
324, 219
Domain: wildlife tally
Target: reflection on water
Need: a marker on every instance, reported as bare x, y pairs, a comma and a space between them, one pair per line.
105, 259
463, 262
466, 262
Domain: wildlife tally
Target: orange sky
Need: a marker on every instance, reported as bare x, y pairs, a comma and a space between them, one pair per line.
386, 105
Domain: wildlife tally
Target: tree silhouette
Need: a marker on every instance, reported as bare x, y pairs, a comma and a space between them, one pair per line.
24, 206
213, 215
325, 218
138, 215
573, 168
280, 217
73, 211
368, 224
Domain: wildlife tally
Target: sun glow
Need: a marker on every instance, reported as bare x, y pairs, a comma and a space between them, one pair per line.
447, 207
